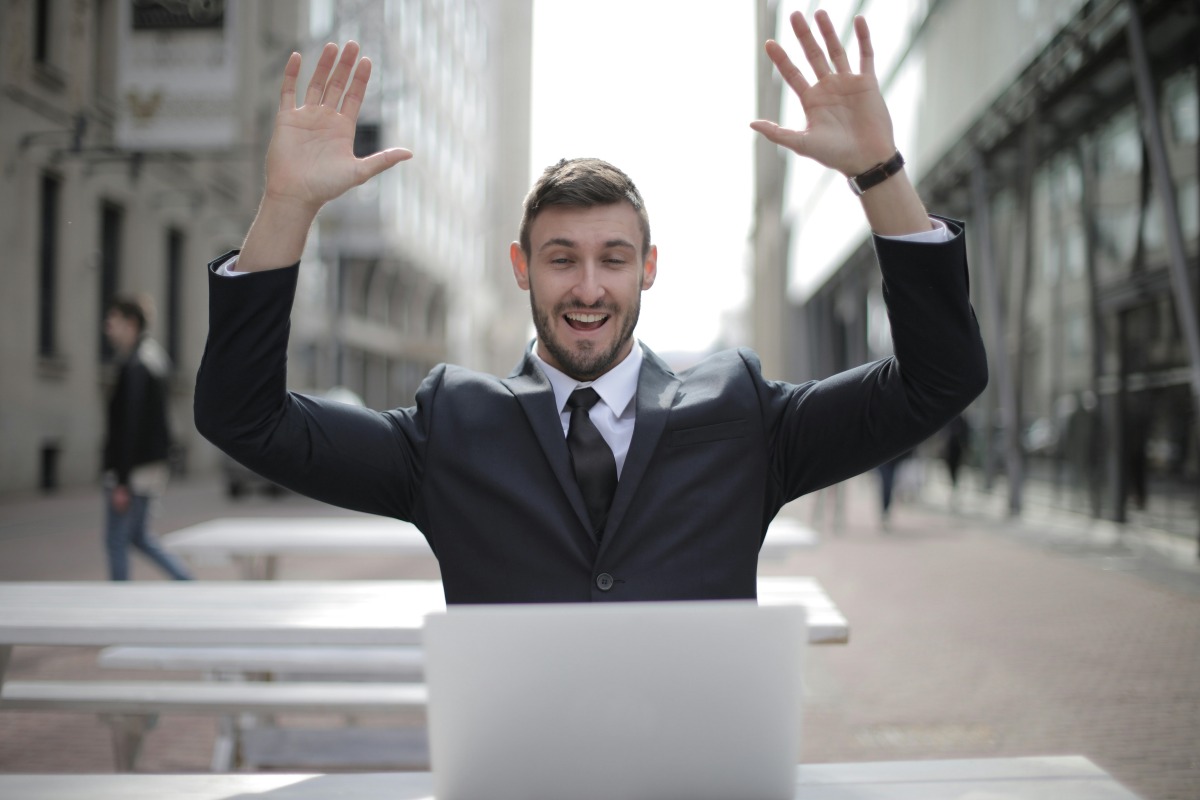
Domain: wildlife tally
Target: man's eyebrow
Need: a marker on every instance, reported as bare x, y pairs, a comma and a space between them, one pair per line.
556, 242
560, 241
619, 243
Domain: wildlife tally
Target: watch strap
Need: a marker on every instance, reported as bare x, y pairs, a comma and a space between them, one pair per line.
876, 174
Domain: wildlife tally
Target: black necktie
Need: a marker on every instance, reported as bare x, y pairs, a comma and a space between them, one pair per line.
595, 467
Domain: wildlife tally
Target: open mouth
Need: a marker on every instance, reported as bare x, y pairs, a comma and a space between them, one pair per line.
585, 321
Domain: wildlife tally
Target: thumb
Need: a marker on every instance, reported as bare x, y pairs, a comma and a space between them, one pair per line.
376, 163
791, 139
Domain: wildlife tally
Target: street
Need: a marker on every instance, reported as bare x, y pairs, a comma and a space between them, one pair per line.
971, 636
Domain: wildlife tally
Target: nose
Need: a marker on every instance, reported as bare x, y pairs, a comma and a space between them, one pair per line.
588, 289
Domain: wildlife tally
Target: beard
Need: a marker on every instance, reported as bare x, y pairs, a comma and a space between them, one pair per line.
588, 362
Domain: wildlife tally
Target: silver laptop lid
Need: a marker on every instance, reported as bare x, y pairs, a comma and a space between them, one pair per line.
690, 700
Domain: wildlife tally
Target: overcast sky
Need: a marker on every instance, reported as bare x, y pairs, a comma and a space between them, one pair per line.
665, 91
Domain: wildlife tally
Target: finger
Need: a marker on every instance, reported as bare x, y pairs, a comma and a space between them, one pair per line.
316, 84
779, 135
337, 82
808, 43
833, 45
866, 53
358, 89
287, 94
376, 163
790, 73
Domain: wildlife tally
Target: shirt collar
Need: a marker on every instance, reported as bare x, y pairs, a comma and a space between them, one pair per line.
616, 387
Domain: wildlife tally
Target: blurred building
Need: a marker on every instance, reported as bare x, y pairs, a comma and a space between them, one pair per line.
132, 137
412, 268
1065, 133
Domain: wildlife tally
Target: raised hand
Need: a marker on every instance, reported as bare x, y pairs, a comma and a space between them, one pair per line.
311, 157
848, 127
310, 160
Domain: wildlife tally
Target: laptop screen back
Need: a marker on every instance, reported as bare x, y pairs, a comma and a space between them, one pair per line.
647, 700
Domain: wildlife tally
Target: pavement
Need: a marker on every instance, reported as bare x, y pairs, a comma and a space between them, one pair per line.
972, 634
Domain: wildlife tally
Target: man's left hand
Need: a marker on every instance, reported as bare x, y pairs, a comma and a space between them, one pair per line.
848, 127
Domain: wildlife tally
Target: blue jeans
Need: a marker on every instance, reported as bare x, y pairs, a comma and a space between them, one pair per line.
130, 528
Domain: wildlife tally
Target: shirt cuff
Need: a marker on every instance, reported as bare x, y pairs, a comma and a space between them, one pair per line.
940, 233
227, 268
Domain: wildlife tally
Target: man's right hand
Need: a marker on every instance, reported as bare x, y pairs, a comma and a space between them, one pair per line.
311, 158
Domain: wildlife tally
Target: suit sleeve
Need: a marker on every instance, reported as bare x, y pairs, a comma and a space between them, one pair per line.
832, 429
341, 454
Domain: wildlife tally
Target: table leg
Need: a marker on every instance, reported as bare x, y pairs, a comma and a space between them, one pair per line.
128, 733
5, 657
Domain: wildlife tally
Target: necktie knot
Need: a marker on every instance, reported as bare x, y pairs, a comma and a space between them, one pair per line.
583, 398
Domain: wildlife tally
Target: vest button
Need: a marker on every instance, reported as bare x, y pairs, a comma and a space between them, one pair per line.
604, 581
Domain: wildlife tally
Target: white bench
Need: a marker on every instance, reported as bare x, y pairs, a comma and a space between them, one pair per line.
385, 662
132, 707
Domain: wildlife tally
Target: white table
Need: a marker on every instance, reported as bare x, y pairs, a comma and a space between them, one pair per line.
217, 612
93, 613
1047, 778
257, 543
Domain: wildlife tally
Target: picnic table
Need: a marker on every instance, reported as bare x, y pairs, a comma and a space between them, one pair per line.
1033, 778
257, 544
219, 614
94, 613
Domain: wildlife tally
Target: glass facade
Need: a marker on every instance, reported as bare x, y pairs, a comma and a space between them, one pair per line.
1076, 294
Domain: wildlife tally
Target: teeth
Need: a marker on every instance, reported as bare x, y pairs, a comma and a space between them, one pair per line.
586, 318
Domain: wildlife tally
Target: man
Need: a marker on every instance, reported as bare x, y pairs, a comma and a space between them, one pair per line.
137, 440
645, 485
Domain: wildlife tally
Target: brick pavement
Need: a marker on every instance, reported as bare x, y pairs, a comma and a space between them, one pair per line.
969, 637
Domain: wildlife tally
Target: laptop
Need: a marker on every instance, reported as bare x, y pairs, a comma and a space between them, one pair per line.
653, 701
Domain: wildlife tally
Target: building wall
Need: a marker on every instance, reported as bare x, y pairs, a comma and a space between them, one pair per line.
1045, 154
408, 267
58, 112
402, 273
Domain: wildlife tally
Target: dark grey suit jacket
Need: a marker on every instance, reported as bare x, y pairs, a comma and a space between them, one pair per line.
480, 464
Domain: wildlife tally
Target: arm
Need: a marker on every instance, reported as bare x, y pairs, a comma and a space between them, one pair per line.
310, 160
349, 456
848, 125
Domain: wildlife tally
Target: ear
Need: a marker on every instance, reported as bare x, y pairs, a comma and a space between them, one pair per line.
650, 268
519, 264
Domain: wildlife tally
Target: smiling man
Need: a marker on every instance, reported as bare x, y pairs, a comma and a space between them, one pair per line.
585, 251
593, 472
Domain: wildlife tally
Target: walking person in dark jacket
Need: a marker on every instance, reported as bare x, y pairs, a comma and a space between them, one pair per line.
138, 438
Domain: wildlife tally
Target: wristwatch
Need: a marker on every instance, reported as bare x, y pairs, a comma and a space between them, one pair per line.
876, 174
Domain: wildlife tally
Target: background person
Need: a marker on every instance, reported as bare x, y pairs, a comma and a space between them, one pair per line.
138, 440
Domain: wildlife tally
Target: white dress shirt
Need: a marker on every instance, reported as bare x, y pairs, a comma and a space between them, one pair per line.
616, 412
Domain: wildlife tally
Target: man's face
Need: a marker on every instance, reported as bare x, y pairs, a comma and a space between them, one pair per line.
122, 332
585, 274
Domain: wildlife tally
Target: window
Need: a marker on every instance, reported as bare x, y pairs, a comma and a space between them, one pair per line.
104, 49
49, 46
48, 266
112, 219
1182, 107
173, 329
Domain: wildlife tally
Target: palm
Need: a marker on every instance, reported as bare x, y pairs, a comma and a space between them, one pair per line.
311, 158
845, 115
848, 127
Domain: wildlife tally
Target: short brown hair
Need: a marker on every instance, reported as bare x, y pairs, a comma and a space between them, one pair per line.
582, 183
135, 307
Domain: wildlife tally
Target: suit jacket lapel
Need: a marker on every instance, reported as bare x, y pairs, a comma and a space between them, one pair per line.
657, 386
533, 392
